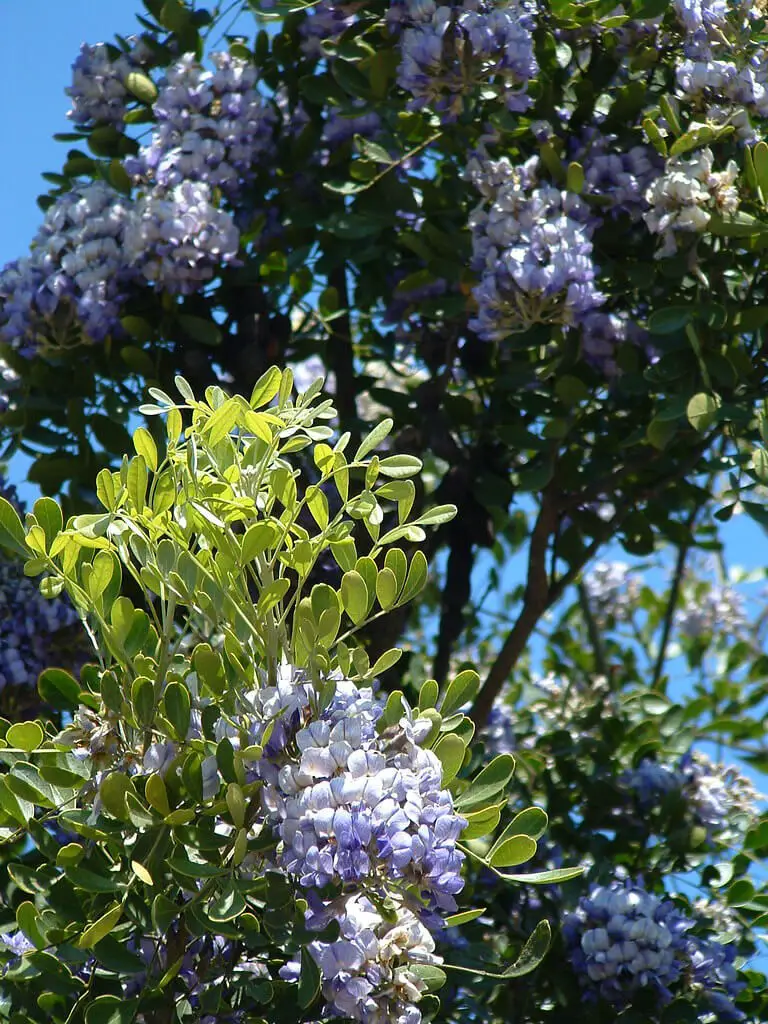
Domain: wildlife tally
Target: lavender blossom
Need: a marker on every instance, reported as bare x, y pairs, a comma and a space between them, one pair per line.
719, 798
178, 240
326, 20
368, 972
620, 177
212, 127
98, 92
76, 272
718, 610
354, 803
462, 47
623, 940
532, 247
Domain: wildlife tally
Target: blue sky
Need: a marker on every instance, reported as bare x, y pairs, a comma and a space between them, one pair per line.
39, 39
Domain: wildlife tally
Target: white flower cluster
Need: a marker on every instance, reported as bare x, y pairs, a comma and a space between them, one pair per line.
684, 198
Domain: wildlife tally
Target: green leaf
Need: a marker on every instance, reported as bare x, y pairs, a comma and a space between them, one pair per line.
204, 332
512, 851
464, 917
433, 977
386, 588
428, 694
488, 784
113, 790
99, 929
450, 751
265, 388
482, 823
670, 320
221, 421
145, 445
702, 411
309, 980
354, 596
143, 700
737, 225
111, 1010
29, 921
437, 515
530, 822
178, 708
48, 514
11, 531
136, 484
385, 661
760, 464
533, 952
462, 690
417, 577
374, 439
551, 877
26, 736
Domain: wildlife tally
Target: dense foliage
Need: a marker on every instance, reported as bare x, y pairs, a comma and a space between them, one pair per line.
525, 243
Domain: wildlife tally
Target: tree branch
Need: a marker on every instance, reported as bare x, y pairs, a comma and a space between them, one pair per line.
540, 595
536, 600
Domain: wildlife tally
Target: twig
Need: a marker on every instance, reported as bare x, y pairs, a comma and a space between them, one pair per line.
342, 357
592, 630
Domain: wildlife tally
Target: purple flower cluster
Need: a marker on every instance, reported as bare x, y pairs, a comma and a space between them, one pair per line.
351, 804
623, 940
532, 248
404, 300
30, 630
720, 798
340, 127
619, 177
325, 20
724, 73
448, 52
601, 335
75, 271
178, 239
370, 973
98, 91
95, 246
212, 127
499, 731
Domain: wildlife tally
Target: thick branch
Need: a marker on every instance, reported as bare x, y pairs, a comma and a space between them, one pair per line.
536, 600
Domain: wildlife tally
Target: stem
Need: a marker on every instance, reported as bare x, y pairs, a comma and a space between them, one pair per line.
592, 630
341, 355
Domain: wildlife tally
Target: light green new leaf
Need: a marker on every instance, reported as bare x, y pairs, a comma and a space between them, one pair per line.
374, 439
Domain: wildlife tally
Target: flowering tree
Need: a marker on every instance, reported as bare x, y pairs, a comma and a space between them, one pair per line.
525, 240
